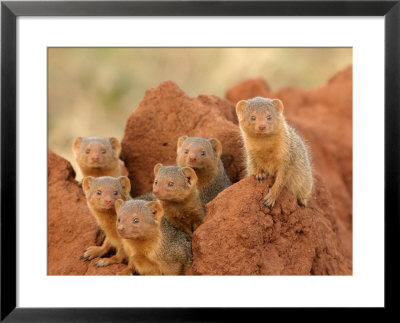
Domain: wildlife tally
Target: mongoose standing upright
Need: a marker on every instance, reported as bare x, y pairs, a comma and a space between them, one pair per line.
204, 156
153, 246
98, 156
274, 148
101, 194
175, 187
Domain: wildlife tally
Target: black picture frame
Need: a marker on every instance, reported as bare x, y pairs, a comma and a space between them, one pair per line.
10, 10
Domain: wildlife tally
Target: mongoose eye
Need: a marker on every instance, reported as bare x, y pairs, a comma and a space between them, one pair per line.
203, 153
103, 151
156, 182
171, 184
253, 117
135, 220
87, 151
98, 192
115, 192
119, 219
186, 151
269, 117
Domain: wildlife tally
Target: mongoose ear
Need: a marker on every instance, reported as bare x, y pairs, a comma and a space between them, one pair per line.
118, 204
155, 208
217, 146
115, 144
76, 145
240, 107
86, 182
181, 139
278, 105
190, 175
157, 168
126, 183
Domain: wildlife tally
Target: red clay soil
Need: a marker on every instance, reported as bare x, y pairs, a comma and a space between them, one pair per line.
238, 236
249, 239
166, 113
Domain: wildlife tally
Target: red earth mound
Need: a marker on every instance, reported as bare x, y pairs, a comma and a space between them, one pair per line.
249, 239
166, 113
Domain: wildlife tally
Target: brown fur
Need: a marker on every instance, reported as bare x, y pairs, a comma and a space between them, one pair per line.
180, 201
98, 156
204, 156
152, 244
101, 194
274, 148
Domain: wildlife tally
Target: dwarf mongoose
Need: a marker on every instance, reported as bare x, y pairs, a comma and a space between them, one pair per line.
176, 189
153, 246
274, 148
101, 194
204, 156
98, 156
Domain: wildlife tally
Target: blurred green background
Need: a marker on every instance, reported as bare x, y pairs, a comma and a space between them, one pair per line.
92, 91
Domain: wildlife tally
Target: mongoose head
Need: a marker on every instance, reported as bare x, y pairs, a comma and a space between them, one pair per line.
102, 192
96, 152
173, 183
198, 153
137, 219
260, 116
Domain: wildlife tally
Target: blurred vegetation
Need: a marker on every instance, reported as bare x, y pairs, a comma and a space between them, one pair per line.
92, 91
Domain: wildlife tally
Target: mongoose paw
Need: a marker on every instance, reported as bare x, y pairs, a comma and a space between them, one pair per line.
260, 176
103, 262
92, 252
269, 200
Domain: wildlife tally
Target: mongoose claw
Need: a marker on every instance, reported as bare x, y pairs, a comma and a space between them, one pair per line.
269, 200
92, 252
265, 204
84, 257
102, 263
260, 176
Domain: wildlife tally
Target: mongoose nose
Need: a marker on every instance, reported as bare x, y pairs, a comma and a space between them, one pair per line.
262, 127
95, 158
120, 228
192, 158
155, 192
108, 201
